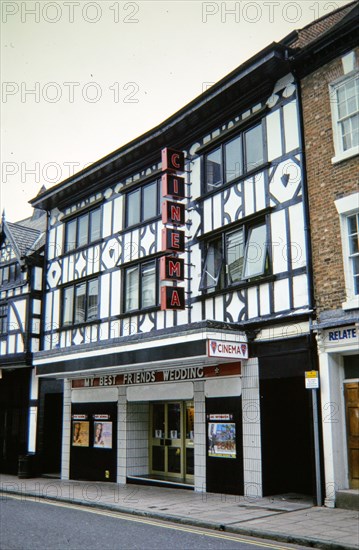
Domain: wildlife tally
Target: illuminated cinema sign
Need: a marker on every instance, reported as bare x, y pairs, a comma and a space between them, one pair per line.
171, 268
172, 160
172, 297
173, 239
173, 213
173, 186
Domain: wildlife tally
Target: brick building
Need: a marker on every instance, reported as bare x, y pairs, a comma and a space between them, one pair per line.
327, 65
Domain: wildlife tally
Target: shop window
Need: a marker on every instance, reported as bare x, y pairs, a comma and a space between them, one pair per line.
348, 210
141, 286
3, 320
142, 204
83, 230
236, 256
80, 303
345, 115
234, 158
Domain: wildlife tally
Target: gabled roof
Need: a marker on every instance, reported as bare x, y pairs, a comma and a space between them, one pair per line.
23, 237
26, 236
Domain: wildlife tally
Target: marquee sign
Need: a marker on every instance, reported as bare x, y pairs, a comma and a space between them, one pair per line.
173, 239
156, 376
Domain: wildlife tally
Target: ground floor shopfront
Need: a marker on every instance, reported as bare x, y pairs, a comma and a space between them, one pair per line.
339, 381
188, 411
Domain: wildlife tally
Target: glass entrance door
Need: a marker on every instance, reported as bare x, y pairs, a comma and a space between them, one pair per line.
171, 440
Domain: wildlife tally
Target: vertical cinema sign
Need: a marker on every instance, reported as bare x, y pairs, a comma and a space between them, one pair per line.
173, 237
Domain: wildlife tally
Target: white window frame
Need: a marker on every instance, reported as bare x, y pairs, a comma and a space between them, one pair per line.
340, 154
346, 207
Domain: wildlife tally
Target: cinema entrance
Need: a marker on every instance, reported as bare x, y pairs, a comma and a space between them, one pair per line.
171, 441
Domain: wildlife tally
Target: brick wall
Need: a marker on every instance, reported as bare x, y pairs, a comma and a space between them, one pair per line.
326, 183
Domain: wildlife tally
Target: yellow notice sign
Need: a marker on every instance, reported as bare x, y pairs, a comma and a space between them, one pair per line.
311, 379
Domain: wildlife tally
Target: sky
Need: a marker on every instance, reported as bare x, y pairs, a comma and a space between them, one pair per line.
80, 79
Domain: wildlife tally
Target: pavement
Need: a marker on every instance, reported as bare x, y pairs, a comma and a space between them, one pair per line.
287, 518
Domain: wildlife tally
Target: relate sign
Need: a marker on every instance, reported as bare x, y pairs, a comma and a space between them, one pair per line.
227, 349
342, 334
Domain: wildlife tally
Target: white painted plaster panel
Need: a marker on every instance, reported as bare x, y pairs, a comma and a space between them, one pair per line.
104, 331
195, 178
217, 211
94, 395
259, 185
218, 304
281, 295
80, 266
56, 309
207, 215
291, 126
52, 244
279, 242
105, 295
71, 268
300, 291
196, 270
116, 293
37, 278
252, 301
274, 143
297, 236
225, 387
59, 239
264, 304
117, 214
107, 219
154, 392
235, 307
65, 270
248, 196
209, 308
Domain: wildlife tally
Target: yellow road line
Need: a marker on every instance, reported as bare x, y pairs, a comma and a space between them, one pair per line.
138, 519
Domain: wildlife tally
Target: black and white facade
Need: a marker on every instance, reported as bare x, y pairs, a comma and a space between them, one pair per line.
21, 278
147, 393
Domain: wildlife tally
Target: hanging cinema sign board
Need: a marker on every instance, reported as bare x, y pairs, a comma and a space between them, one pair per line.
173, 239
171, 268
173, 213
172, 297
172, 160
173, 186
